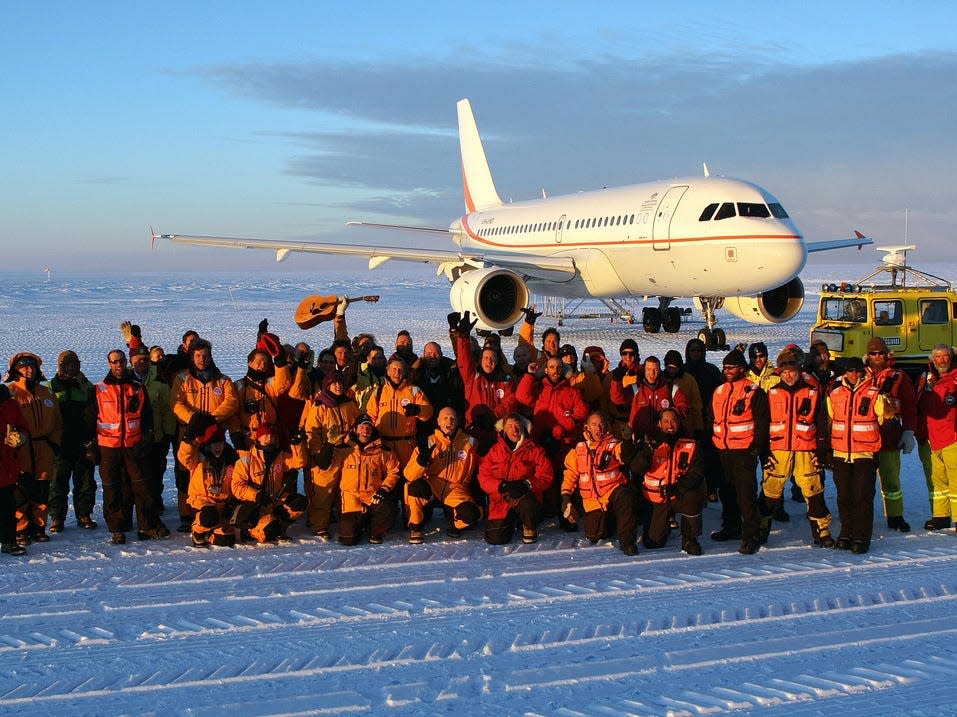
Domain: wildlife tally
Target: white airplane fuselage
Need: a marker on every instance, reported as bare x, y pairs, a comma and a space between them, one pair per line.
650, 239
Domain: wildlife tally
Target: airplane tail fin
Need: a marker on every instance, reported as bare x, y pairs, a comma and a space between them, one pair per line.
476, 177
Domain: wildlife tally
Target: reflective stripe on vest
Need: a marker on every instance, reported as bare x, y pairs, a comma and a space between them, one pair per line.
733, 431
594, 484
789, 431
852, 432
664, 469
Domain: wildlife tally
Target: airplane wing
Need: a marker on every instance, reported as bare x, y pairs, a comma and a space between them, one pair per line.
859, 240
547, 268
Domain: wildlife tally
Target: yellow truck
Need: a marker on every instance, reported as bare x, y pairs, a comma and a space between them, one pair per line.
911, 310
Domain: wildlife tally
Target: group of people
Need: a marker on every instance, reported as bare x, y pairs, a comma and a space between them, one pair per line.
387, 437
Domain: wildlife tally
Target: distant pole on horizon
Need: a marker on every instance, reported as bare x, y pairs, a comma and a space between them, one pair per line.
48, 272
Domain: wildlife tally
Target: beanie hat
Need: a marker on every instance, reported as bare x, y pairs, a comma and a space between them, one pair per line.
331, 378
629, 344
876, 344
139, 351
213, 434
756, 349
595, 351
673, 358
788, 358
567, 350
363, 418
854, 363
264, 429
735, 358
67, 356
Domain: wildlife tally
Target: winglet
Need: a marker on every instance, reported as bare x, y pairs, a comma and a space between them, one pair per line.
477, 181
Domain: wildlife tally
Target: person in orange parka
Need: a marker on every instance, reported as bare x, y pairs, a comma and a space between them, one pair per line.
200, 388
441, 469
264, 482
38, 457
210, 462
14, 429
515, 474
397, 407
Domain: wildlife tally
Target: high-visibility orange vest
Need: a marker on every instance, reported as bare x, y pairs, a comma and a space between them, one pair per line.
594, 483
733, 415
667, 466
792, 418
854, 425
119, 418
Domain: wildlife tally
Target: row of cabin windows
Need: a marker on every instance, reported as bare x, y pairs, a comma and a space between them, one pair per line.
593, 223
742, 209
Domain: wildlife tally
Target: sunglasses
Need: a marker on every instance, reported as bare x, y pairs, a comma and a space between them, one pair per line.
627, 353
877, 353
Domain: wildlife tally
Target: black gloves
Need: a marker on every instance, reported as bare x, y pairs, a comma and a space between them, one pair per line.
454, 318
420, 488
514, 489
323, 459
263, 327
411, 409
379, 496
297, 437
619, 373
198, 424
530, 315
466, 324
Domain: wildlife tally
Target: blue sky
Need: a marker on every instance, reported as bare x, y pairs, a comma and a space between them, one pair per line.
284, 120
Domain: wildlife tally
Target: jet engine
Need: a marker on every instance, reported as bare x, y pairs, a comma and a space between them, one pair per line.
494, 296
774, 306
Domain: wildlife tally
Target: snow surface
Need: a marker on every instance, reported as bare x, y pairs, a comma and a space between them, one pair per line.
450, 627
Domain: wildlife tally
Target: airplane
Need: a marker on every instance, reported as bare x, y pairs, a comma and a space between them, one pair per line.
718, 240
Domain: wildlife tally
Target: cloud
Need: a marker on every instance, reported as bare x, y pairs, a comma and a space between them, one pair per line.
874, 135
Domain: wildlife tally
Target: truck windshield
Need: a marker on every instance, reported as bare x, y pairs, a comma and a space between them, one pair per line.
841, 309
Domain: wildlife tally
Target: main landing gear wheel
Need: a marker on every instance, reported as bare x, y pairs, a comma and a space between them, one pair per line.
651, 320
712, 340
672, 320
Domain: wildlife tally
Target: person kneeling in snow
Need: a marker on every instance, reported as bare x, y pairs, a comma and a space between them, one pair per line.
515, 474
210, 463
441, 468
264, 482
368, 476
595, 467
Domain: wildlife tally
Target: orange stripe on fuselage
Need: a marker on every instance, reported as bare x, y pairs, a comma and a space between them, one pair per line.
611, 243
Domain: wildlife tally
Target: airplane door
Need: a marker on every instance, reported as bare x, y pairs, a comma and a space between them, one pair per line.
661, 230
560, 230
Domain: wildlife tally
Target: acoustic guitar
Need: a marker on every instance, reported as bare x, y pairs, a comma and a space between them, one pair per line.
315, 309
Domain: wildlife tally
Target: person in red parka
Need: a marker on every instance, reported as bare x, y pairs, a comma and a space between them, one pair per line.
654, 393
937, 412
515, 474
558, 416
15, 435
489, 390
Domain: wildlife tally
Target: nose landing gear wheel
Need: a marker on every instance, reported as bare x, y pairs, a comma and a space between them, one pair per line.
705, 337
720, 340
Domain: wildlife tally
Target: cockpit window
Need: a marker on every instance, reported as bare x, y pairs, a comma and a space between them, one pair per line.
777, 211
750, 209
708, 212
725, 212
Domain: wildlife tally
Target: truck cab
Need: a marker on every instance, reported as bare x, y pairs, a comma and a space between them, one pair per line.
911, 310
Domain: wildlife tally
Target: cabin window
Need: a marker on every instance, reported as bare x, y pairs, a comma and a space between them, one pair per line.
752, 209
839, 309
725, 212
708, 212
933, 311
617, 221
888, 313
631, 220
777, 211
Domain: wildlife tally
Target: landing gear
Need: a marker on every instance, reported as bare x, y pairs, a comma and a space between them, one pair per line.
712, 338
663, 316
672, 320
